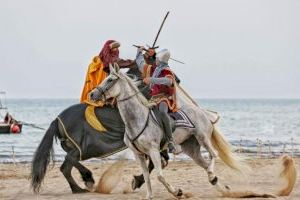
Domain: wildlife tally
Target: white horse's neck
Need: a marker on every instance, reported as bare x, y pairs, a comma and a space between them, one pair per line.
133, 112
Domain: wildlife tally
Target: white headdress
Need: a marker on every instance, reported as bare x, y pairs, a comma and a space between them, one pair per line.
163, 55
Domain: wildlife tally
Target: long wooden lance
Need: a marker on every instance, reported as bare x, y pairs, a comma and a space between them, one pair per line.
155, 40
187, 95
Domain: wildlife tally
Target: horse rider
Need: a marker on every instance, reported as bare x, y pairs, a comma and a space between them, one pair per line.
162, 83
99, 67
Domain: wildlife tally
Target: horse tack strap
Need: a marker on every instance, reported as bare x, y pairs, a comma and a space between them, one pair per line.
68, 136
141, 132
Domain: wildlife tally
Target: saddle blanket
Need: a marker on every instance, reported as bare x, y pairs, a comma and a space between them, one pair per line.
180, 119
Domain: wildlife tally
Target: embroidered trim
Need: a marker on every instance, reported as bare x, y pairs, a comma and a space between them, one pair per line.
185, 122
114, 152
68, 136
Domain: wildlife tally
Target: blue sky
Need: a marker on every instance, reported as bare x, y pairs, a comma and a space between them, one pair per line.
232, 49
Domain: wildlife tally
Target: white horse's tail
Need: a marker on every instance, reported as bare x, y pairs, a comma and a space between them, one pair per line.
289, 173
225, 152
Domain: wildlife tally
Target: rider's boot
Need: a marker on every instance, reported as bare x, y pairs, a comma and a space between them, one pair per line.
171, 146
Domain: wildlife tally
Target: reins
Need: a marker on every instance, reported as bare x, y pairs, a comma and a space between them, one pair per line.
141, 132
129, 97
132, 140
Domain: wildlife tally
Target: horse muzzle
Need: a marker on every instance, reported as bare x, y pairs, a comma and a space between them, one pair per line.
96, 94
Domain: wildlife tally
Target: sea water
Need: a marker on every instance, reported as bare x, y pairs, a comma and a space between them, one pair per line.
270, 126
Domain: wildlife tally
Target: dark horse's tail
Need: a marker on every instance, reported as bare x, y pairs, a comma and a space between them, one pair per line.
42, 157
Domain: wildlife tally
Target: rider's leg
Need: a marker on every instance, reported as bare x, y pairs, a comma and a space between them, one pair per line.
163, 109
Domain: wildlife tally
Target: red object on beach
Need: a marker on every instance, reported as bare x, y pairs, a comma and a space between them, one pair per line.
15, 129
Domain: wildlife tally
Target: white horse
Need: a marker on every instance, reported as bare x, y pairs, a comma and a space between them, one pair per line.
143, 136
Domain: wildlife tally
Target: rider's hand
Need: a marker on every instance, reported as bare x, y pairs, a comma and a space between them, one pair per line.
141, 48
146, 80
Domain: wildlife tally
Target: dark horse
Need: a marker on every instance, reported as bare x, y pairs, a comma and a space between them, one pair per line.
81, 141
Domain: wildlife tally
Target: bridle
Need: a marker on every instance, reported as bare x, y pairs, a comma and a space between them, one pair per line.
102, 91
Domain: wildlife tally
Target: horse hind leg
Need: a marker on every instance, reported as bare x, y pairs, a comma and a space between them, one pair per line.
206, 143
212, 178
85, 173
66, 169
156, 159
192, 148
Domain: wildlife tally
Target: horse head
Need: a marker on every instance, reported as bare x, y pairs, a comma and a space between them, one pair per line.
108, 87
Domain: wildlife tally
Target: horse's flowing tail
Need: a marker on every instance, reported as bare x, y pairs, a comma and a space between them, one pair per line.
289, 173
42, 157
225, 152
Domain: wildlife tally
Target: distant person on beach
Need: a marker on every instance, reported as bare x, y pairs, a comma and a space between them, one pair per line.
99, 67
8, 118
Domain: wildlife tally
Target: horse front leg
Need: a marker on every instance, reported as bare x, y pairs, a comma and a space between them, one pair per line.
139, 180
156, 159
142, 161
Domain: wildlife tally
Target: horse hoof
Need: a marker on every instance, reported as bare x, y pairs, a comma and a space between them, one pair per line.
89, 185
227, 187
150, 198
80, 191
179, 193
164, 163
214, 181
135, 183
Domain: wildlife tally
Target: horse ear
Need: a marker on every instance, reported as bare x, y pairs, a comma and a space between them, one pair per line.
111, 69
116, 66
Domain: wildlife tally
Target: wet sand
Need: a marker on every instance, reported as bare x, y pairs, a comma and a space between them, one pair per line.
15, 183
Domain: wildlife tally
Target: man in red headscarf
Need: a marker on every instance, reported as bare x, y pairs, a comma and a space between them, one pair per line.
99, 67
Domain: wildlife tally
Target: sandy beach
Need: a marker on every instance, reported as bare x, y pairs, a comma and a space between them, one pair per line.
14, 181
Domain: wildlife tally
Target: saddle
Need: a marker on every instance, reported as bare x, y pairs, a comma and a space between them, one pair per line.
178, 119
105, 119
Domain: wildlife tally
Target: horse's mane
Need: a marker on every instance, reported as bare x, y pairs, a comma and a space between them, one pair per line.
140, 96
181, 97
